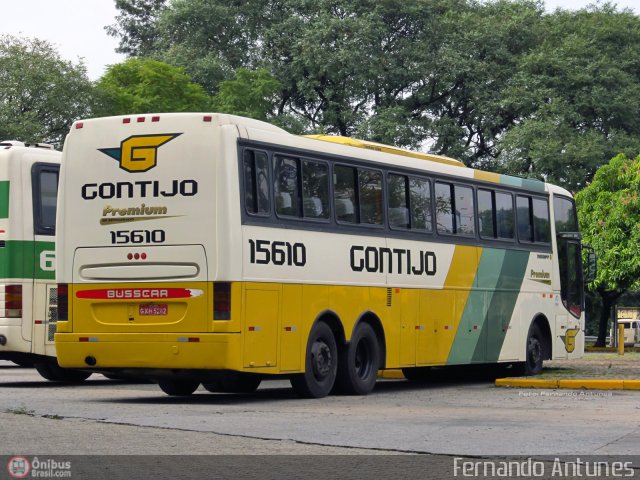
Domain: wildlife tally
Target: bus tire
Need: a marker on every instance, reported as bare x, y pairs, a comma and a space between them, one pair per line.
234, 383
178, 387
534, 354
358, 363
321, 364
50, 370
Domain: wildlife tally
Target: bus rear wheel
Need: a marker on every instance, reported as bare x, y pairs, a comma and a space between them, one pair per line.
50, 370
359, 362
178, 387
321, 364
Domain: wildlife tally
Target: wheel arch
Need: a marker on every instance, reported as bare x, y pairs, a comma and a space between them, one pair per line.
332, 319
547, 340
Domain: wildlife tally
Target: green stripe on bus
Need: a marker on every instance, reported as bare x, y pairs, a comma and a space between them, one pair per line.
500, 308
528, 183
27, 260
4, 199
469, 336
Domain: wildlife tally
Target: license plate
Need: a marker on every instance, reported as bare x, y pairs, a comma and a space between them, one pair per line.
153, 309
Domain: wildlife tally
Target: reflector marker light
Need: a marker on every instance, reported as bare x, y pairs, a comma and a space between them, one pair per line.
88, 339
155, 118
290, 329
207, 118
140, 119
38, 322
126, 120
255, 328
189, 339
79, 125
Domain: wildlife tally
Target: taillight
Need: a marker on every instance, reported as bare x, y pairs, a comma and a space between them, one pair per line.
13, 301
222, 301
63, 302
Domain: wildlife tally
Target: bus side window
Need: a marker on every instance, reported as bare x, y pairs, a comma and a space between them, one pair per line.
256, 183
505, 228
45, 190
421, 217
398, 209
541, 223
315, 190
286, 190
444, 208
344, 188
370, 194
524, 214
465, 215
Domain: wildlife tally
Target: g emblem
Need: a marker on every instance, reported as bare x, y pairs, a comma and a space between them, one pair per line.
139, 153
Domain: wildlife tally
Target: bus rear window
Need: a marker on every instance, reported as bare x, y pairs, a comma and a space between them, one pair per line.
256, 182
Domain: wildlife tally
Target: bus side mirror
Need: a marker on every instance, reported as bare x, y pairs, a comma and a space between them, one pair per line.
592, 264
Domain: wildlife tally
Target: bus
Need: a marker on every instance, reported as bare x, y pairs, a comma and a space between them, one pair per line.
204, 248
28, 292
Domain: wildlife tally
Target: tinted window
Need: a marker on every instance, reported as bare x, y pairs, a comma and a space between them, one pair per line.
256, 182
315, 189
485, 214
48, 199
420, 190
398, 201
525, 228
504, 215
344, 188
285, 181
465, 216
541, 225
565, 215
444, 208
370, 189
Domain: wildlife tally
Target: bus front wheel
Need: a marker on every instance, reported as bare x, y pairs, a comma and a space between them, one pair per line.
178, 387
359, 362
321, 364
534, 354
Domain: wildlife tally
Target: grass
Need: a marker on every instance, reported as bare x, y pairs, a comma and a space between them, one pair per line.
21, 410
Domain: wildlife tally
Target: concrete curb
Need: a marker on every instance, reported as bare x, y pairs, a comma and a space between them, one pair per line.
575, 384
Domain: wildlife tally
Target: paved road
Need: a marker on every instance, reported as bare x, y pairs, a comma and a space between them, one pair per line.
464, 418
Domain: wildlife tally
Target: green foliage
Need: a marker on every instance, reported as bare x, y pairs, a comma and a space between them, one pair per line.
40, 94
579, 96
145, 86
250, 94
500, 84
609, 215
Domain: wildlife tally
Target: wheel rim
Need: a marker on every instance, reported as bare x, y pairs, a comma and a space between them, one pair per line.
362, 360
321, 359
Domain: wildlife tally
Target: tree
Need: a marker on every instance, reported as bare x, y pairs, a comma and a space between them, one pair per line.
250, 94
578, 95
145, 86
136, 26
40, 94
609, 215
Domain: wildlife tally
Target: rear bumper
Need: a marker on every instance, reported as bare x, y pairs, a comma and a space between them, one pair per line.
13, 341
219, 351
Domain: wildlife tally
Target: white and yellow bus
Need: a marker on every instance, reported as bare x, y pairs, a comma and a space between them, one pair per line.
28, 306
214, 249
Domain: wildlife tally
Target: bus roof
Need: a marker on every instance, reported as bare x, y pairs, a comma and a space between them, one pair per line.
379, 147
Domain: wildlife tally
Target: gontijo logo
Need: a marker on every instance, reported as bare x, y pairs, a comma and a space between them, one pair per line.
139, 153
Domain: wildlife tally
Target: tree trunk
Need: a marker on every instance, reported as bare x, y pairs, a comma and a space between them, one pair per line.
608, 301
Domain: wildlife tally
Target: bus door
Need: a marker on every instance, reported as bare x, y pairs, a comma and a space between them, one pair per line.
571, 290
44, 189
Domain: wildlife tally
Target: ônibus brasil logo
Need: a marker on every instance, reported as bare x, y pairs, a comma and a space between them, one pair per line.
139, 153
18, 467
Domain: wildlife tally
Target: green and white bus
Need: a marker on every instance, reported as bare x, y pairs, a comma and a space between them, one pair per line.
28, 304
218, 250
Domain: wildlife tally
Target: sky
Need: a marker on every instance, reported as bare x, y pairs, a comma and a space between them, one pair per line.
76, 27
